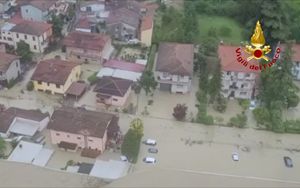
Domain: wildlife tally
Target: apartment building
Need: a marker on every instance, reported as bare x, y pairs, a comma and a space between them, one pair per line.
238, 81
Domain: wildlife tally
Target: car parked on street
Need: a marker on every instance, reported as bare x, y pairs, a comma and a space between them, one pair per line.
235, 156
149, 160
150, 142
288, 162
153, 150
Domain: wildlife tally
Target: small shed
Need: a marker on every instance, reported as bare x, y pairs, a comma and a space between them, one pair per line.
76, 89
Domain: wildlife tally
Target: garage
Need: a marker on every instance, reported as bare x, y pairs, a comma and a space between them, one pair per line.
165, 87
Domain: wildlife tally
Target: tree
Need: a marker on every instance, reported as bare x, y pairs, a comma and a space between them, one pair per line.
131, 145
244, 103
147, 82
240, 121
137, 126
30, 86
189, 23
220, 104
23, 50
179, 111
261, 115
57, 25
2, 147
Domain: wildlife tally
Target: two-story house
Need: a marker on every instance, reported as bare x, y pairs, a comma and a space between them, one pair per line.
238, 81
55, 76
123, 24
113, 91
78, 128
174, 67
37, 10
84, 47
10, 68
36, 34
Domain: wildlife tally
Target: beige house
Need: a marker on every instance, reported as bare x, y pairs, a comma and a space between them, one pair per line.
174, 67
146, 30
36, 34
87, 47
55, 76
238, 81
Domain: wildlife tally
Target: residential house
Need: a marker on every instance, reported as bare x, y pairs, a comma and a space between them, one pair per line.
113, 91
174, 67
5, 5
238, 81
16, 121
87, 47
55, 76
123, 24
36, 34
84, 25
37, 10
10, 68
146, 31
122, 69
92, 6
78, 128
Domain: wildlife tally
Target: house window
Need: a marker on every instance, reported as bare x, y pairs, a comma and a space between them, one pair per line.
242, 86
0, 37
40, 82
90, 140
48, 84
79, 138
25, 37
228, 72
17, 64
4, 38
165, 74
68, 136
57, 86
34, 47
115, 99
243, 93
17, 35
8, 38
33, 38
9, 33
179, 86
57, 134
78, 57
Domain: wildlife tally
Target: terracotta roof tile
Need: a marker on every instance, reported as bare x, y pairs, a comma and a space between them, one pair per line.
31, 27
124, 65
147, 23
228, 60
296, 51
112, 86
80, 121
84, 40
6, 60
53, 71
175, 58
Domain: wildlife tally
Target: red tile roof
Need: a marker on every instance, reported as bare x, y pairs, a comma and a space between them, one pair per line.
124, 65
295, 50
53, 71
175, 58
41, 4
80, 121
110, 86
6, 60
147, 23
76, 89
83, 23
31, 27
84, 40
228, 60
16, 19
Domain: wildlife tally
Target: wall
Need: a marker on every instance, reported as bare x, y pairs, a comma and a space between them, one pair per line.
35, 45
179, 84
74, 76
13, 71
92, 56
29, 12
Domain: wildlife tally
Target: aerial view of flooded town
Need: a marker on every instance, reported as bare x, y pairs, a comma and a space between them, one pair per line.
149, 93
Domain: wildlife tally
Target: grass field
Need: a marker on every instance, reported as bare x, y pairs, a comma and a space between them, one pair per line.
208, 22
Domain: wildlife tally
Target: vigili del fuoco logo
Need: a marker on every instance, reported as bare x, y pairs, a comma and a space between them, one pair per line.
257, 50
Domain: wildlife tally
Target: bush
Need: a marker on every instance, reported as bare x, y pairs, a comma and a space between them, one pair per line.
261, 115
220, 104
93, 78
239, 121
292, 126
212, 32
30, 86
11, 83
244, 103
179, 111
225, 31
206, 120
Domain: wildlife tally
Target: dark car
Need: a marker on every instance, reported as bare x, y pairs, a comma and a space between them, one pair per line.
288, 162
153, 150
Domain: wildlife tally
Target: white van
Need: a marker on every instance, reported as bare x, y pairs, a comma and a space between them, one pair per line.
149, 160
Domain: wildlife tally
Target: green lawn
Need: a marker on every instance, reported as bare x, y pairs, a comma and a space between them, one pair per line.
217, 22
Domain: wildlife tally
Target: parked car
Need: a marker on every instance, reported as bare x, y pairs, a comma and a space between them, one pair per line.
288, 161
252, 105
149, 160
153, 150
123, 158
150, 142
235, 156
